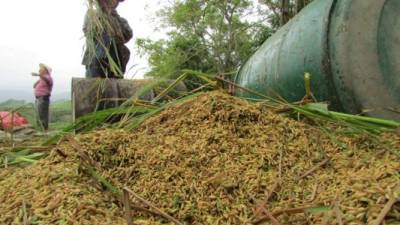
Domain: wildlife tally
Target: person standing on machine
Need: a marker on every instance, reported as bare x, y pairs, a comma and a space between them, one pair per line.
106, 33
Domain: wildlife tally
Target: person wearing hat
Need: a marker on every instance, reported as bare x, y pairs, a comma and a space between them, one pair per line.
43, 88
106, 32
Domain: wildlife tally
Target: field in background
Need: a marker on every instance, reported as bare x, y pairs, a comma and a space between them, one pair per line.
60, 112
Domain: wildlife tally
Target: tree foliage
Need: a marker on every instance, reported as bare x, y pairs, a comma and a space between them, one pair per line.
281, 11
213, 36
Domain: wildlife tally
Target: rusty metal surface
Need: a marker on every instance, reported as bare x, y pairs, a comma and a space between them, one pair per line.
88, 94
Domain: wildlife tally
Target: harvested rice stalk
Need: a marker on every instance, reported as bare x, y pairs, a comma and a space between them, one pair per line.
159, 211
270, 216
312, 170
209, 160
393, 200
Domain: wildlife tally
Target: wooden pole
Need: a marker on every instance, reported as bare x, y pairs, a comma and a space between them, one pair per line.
300, 4
285, 11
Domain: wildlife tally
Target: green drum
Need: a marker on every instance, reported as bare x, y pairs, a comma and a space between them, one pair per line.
350, 47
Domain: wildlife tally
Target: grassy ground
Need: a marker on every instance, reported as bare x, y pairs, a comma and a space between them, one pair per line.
60, 115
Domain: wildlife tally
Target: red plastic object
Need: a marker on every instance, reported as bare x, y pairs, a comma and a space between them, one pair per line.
8, 121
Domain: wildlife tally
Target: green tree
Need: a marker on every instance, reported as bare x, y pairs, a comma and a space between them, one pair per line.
281, 11
213, 36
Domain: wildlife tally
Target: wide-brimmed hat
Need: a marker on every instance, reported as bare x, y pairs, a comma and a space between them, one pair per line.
48, 68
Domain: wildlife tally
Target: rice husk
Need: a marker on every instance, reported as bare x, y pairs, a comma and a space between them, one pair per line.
211, 160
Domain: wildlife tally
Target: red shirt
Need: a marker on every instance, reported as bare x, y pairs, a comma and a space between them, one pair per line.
44, 86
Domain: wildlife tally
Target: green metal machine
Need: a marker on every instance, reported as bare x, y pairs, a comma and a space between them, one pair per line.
350, 47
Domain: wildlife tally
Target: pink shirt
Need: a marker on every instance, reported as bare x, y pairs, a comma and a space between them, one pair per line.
44, 86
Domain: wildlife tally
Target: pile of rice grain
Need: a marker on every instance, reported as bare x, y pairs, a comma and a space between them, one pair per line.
212, 160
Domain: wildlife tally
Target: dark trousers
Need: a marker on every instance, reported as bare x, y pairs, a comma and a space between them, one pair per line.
100, 70
42, 109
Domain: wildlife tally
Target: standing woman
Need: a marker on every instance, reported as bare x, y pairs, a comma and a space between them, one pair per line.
43, 88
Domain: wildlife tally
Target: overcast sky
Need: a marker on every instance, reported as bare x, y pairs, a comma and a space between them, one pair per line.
50, 31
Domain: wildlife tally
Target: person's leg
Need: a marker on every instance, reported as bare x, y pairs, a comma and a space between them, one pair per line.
92, 71
89, 72
37, 106
46, 107
43, 104
95, 70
